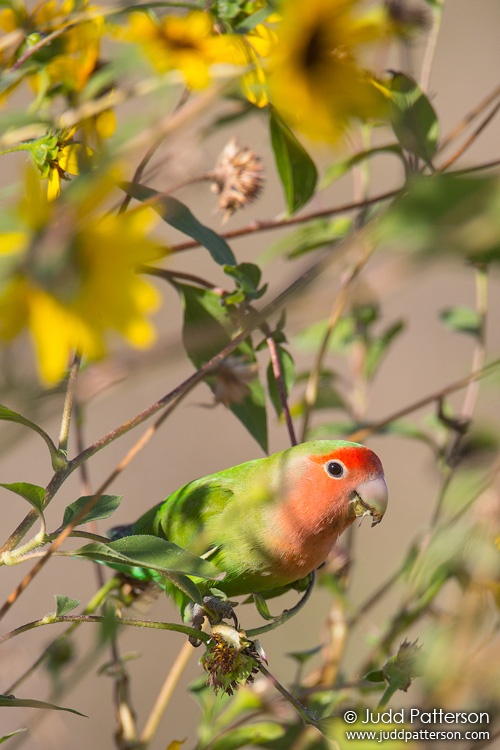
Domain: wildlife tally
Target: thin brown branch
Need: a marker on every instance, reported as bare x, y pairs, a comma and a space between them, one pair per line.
472, 389
311, 391
151, 152
455, 132
265, 226
363, 432
68, 404
280, 382
470, 140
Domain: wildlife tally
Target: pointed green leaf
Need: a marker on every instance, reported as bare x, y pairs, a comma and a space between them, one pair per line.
413, 117
376, 675
7, 415
259, 733
208, 327
303, 656
261, 606
187, 586
11, 734
253, 20
180, 217
297, 171
65, 605
105, 506
149, 552
10, 701
34, 494
340, 168
445, 213
310, 236
287, 368
462, 319
247, 277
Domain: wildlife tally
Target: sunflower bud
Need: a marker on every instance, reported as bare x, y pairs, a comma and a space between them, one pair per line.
237, 177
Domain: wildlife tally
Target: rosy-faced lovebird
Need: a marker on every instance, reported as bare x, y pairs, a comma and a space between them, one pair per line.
269, 522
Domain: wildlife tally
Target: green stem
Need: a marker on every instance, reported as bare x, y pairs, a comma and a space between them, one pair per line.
472, 392
68, 405
311, 391
53, 619
306, 716
287, 614
94, 604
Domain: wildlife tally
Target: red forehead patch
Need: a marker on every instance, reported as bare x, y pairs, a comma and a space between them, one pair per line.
354, 457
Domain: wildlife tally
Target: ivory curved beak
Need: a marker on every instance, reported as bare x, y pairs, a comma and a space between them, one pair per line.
370, 499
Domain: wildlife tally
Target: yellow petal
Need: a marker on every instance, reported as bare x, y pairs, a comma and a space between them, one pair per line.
105, 123
69, 157
54, 185
52, 336
12, 242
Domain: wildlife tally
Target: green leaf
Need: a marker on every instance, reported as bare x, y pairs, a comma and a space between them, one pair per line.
150, 552
261, 606
297, 171
462, 319
65, 604
445, 214
259, 733
302, 657
180, 217
413, 118
7, 415
10, 701
309, 236
253, 20
247, 277
34, 494
376, 675
11, 734
340, 168
208, 327
287, 367
104, 507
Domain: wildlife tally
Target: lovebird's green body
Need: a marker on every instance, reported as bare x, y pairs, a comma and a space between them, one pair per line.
269, 522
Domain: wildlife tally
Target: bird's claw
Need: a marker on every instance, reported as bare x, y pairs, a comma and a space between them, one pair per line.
213, 609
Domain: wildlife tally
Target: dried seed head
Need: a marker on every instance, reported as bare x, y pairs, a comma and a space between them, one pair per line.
237, 177
231, 380
230, 659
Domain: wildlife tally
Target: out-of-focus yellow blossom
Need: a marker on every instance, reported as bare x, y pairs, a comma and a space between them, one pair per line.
74, 278
56, 156
70, 58
249, 51
315, 80
77, 48
185, 43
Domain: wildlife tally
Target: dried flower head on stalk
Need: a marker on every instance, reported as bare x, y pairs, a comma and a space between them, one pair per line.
231, 659
238, 177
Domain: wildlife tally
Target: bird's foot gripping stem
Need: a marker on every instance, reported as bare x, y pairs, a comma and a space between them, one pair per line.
213, 609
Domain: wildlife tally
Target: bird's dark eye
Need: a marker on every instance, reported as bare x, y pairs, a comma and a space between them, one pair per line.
335, 469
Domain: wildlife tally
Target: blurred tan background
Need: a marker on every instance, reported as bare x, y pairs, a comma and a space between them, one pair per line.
196, 441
